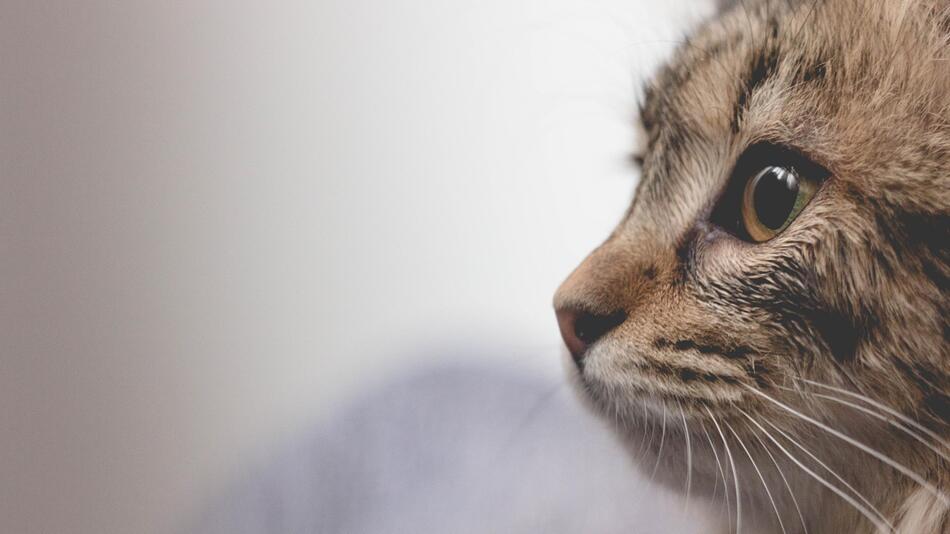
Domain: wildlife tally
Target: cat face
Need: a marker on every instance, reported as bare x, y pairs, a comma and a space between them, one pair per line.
787, 242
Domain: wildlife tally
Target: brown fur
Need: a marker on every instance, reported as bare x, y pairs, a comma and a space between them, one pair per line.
853, 294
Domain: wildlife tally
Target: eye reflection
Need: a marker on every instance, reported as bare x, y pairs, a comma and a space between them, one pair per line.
772, 199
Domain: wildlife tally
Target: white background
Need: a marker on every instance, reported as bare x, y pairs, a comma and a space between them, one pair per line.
220, 220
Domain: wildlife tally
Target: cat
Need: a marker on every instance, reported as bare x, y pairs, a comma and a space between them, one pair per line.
767, 327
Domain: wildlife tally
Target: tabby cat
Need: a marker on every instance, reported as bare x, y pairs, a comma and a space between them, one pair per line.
767, 327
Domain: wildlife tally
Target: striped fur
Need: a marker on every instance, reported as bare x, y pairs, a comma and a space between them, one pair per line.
852, 296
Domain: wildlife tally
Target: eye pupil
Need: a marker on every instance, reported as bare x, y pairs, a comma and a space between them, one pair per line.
774, 193
769, 188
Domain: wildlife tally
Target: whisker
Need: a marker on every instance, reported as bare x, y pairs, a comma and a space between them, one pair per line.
831, 471
732, 464
873, 452
881, 406
653, 426
725, 486
850, 500
615, 404
801, 517
689, 458
889, 420
659, 453
643, 430
768, 493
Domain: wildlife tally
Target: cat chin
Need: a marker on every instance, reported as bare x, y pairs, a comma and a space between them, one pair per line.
652, 429
603, 380
662, 459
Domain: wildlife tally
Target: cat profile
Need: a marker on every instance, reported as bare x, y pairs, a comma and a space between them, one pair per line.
767, 327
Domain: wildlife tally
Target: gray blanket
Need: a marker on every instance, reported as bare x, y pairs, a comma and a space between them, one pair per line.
458, 449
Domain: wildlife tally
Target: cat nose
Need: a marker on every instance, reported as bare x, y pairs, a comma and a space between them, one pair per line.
581, 329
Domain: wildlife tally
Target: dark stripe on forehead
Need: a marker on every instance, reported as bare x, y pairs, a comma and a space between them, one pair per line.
692, 56
762, 66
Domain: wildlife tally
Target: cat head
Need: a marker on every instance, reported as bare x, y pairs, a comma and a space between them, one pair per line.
787, 241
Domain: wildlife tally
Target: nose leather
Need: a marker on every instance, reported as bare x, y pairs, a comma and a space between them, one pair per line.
581, 329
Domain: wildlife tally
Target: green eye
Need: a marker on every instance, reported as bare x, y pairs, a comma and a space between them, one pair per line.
768, 188
772, 199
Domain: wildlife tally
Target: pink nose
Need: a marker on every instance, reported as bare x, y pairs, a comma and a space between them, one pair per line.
581, 329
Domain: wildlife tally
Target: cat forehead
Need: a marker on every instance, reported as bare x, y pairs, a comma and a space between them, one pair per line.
787, 53
829, 79
759, 57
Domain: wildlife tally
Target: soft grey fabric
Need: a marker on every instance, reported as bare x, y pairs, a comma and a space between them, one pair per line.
457, 449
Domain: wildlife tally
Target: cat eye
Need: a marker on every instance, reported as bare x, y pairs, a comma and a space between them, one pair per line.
769, 187
772, 199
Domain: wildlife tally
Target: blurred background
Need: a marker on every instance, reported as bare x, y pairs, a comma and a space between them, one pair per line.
226, 226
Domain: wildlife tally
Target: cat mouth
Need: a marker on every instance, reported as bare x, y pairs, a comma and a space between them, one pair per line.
621, 378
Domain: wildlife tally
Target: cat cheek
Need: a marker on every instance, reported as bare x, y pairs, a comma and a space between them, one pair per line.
721, 255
